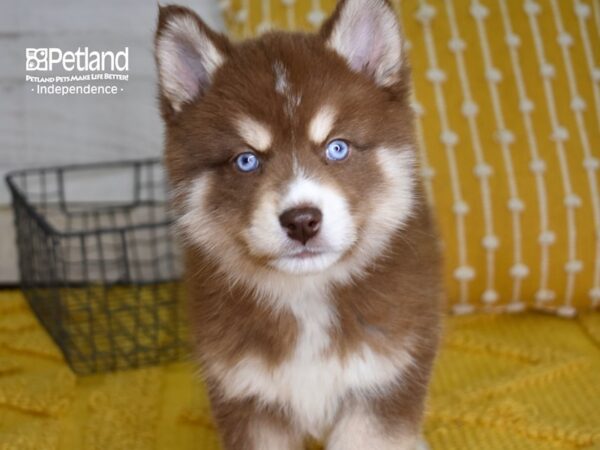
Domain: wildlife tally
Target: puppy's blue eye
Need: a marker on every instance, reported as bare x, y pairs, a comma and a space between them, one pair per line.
247, 162
337, 150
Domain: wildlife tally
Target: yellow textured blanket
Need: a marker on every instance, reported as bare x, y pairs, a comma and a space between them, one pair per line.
501, 382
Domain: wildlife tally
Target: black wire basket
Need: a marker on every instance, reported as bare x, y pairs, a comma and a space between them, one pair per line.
99, 263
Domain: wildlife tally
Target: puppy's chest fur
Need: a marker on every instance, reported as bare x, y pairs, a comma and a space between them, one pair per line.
313, 380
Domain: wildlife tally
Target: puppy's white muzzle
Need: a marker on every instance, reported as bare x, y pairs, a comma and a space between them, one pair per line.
268, 236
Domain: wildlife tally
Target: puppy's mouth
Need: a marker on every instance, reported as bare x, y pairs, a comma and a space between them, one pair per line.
305, 253
305, 261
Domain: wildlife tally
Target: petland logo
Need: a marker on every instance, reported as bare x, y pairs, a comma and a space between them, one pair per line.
80, 72
81, 60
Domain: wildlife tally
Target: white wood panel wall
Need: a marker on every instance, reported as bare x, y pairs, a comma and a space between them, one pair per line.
39, 130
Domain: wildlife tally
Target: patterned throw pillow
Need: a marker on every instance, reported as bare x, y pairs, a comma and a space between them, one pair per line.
508, 101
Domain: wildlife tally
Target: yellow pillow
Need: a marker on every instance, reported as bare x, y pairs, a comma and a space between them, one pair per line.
508, 99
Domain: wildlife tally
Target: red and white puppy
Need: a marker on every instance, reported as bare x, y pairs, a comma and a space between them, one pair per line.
312, 265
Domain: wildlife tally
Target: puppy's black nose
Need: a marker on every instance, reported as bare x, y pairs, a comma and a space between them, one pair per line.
301, 224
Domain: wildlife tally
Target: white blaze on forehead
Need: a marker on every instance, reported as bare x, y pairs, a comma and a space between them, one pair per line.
321, 124
282, 83
256, 135
284, 88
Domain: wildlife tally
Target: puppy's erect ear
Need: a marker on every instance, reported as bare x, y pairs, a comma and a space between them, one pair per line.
187, 54
367, 34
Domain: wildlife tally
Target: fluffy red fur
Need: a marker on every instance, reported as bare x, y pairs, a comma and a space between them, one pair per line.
331, 336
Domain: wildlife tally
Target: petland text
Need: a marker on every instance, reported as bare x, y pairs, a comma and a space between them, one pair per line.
82, 60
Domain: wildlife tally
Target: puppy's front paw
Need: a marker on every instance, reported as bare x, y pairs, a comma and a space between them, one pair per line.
422, 444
